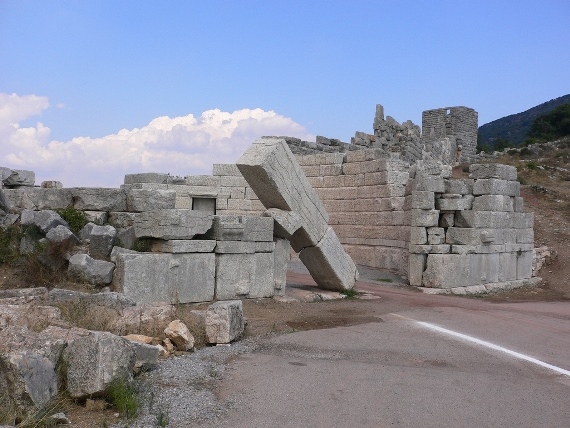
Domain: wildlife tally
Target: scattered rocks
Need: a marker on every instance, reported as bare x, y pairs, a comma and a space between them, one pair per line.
179, 335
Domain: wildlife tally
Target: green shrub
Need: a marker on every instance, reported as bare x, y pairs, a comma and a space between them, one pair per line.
124, 397
532, 165
75, 218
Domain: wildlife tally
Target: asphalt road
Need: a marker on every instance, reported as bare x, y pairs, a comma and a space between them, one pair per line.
428, 361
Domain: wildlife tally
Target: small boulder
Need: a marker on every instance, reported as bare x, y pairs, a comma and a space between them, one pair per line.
224, 321
102, 239
180, 336
44, 220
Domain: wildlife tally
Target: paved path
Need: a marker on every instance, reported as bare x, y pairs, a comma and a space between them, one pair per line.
428, 361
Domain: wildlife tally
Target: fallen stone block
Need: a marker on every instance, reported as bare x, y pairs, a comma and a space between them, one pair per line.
143, 317
102, 239
44, 220
152, 277
179, 335
224, 321
63, 236
493, 170
95, 272
94, 361
329, 265
146, 355
277, 179
172, 224
139, 200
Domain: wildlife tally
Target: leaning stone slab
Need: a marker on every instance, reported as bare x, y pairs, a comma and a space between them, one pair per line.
150, 200
161, 277
94, 361
277, 179
99, 199
493, 170
286, 223
172, 224
224, 321
329, 265
95, 272
177, 246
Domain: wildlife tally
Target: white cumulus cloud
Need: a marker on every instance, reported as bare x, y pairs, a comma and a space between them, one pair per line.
185, 145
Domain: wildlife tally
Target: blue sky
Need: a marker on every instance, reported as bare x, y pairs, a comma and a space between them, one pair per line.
87, 70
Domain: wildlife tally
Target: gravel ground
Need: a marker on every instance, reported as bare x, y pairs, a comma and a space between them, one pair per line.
180, 391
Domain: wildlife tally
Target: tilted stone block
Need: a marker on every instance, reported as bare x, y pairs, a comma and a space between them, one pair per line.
277, 179
493, 170
150, 200
423, 200
172, 224
493, 203
95, 272
44, 220
454, 204
177, 246
173, 278
286, 223
224, 321
493, 186
97, 199
20, 177
329, 265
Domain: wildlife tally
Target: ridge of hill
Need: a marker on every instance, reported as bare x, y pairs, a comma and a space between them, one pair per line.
515, 127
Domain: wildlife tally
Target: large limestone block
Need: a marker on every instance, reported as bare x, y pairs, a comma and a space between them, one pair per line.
329, 265
286, 223
494, 186
242, 275
423, 200
493, 170
224, 321
150, 200
235, 247
277, 179
172, 224
461, 270
241, 228
459, 186
33, 198
98, 199
152, 277
425, 218
44, 220
493, 203
94, 361
429, 183
454, 204
488, 219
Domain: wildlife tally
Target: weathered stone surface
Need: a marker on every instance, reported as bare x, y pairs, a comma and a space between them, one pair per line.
277, 179
418, 235
151, 277
179, 335
94, 361
34, 198
143, 317
493, 170
454, 204
286, 223
44, 220
224, 321
457, 270
172, 224
436, 235
183, 246
243, 275
235, 247
423, 200
493, 186
459, 186
493, 203
146, 355
27, 314
95, 272
424, 218
27, 380
63, 236
99, 199
102, 239
429, 183
51, 184
20, 177
153, 177
416, 267
258, 229
97, 217
111, 300
281, 257
139, 200
329, 265
488, 219
120, 250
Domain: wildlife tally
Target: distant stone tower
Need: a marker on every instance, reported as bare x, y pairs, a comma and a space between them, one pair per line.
449, 134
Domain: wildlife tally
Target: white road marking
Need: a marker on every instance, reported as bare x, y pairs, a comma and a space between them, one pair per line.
489, 345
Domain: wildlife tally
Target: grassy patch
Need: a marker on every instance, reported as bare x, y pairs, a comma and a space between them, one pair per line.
351, 293
124, 397
75, 219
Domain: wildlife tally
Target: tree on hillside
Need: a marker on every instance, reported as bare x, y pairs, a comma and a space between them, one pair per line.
550, 126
